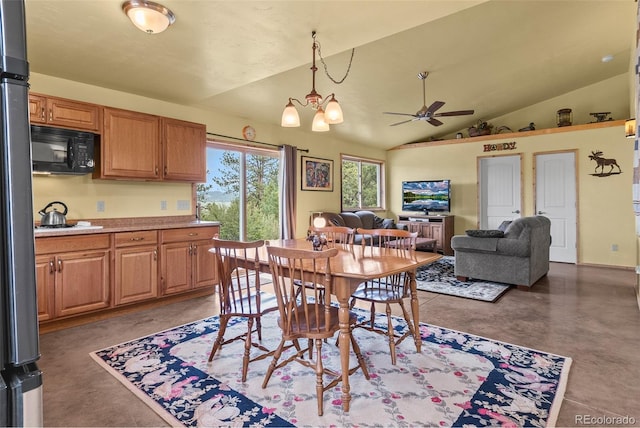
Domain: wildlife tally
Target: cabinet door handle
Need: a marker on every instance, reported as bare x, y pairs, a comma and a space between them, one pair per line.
52, 268
155, 255
43, 114
156, 172
50, 114
165, 170
193, 234
59, 265
139, 238
195, 249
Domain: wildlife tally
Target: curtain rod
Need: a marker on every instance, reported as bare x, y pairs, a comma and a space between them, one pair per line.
252, 142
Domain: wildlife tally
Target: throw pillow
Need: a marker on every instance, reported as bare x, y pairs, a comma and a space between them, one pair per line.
491, 233
378, 222
504, 225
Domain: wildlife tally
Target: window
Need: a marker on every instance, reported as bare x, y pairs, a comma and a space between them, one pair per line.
362, 183
241, 191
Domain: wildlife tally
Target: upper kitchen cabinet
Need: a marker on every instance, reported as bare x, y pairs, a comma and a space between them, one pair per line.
184, 146
65, 113
147, 147
130, 146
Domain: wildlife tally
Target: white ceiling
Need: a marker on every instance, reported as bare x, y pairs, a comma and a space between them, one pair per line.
246, 58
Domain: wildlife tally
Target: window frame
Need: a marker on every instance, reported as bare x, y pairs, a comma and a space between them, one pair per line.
245, 150
381, 181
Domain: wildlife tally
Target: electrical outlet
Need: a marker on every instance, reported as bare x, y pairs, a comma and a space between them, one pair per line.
183, 205
614, 247
100, 206
163, 205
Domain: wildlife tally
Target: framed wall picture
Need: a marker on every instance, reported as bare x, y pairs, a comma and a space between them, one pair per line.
317, 174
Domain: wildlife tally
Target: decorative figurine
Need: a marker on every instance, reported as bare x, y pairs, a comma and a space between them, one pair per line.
531, 127
601, 116
602, 162
317, 241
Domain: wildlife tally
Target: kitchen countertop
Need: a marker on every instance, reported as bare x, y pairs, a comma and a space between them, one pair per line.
125, 225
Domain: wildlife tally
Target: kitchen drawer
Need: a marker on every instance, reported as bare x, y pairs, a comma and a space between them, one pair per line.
139, 237
189, 234
67, 244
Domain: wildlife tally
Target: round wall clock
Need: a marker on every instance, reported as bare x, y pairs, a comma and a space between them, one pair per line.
249, 133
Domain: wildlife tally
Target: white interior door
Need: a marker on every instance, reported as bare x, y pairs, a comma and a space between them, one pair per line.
500, 190
556, 199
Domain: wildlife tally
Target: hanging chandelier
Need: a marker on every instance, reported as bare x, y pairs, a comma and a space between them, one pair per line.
331, 114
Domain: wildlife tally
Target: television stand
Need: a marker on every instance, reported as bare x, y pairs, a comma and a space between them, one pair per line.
438, 227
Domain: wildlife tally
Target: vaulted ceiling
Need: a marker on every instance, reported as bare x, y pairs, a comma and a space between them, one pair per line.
246, 58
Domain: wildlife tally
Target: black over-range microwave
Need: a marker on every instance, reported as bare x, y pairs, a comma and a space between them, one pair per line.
61, 151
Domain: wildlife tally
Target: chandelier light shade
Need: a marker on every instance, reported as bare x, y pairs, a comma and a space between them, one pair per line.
323, 118
319, 123
333, 113
150, 17
630, 128
290, 117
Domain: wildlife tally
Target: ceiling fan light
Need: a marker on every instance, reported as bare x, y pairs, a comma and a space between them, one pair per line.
150, 17
290, 117
333, 113
319, 124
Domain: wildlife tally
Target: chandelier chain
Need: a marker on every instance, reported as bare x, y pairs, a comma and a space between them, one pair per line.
324, 64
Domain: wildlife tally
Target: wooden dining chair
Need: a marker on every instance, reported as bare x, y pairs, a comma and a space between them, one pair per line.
388, 290
334, 234
240, 296
307, 316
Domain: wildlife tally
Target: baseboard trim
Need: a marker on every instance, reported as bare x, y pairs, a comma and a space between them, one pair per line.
629, 268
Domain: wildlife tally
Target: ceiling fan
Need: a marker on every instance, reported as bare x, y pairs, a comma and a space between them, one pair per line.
428, 114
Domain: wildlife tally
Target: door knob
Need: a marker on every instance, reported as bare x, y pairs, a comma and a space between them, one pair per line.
541, 212
516, 212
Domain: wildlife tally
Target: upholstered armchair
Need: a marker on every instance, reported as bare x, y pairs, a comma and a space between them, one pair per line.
519, 255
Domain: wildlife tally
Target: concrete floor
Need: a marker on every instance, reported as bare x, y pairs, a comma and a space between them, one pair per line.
587, 313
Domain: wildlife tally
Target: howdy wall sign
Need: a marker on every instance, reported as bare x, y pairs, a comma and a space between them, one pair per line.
500, 146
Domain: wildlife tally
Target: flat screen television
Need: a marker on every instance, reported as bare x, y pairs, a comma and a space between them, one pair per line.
426, 196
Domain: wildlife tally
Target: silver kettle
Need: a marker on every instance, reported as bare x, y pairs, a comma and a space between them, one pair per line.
53, 217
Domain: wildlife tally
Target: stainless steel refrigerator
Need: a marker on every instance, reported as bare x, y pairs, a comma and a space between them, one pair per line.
21, 380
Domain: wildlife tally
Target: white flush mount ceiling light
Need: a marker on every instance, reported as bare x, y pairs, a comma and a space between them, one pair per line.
331, 114
150, 17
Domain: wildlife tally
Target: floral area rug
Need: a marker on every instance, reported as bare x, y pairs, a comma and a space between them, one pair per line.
438, 277
458, 380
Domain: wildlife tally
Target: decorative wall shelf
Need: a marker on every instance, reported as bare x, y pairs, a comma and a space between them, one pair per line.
512, 135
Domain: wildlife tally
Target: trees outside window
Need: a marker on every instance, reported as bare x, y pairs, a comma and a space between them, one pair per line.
362, 183
241, 192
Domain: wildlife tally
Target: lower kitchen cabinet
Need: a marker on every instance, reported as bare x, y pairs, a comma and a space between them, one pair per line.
186, 263
72, 275
136, 266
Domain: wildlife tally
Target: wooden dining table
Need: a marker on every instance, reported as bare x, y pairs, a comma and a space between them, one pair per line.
354, 265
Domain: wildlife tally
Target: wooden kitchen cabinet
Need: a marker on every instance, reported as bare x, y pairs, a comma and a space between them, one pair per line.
136, 266
186, 263
184, 145
439, 228
72, 275
147, 147
130, 146
65, 113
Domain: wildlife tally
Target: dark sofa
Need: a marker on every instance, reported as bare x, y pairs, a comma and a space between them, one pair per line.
360, 219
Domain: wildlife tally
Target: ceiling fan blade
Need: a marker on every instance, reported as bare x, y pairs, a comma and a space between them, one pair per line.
455, 113
434, 122
399, 114
435, 106
400, 123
